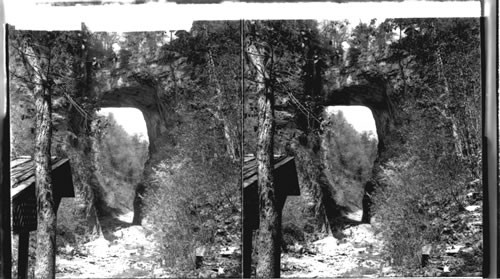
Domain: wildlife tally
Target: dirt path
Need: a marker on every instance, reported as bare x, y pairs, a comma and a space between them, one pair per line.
128, 251
125, 251
358, 255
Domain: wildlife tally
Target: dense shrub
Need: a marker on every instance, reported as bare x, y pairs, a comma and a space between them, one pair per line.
292, 234
348, 158
294, 222
119, 164
195, 205
412, 202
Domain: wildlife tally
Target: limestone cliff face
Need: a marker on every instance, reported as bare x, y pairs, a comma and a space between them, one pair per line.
151, 88
342, 86
147, 87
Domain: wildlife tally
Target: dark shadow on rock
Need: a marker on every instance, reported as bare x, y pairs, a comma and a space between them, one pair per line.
472, 260
367, 202
138, 204
111, 224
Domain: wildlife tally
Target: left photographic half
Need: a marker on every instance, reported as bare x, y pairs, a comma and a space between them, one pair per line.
125, 152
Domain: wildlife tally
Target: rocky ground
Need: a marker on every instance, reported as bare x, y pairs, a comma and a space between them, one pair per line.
360, 253
129, 251
126, 251
357, 255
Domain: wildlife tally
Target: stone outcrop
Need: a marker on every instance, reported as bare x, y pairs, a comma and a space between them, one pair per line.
150, 88
342, 87
372, 92
372, 95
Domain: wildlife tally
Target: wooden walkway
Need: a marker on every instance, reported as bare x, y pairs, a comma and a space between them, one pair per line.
24, 203
286, 184
284, 170
22, 173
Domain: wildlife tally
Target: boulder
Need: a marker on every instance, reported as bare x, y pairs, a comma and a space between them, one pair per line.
228, 251
454, 249
472, 208
467, 251
133, 237
355, 216
426, 253
207, 274
99, 246
361, 234
326, 246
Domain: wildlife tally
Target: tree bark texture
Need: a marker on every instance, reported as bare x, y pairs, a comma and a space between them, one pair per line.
465, 123
230, 133
46, 232
140, 190
80, 146
455, 131
46, 210
269, 235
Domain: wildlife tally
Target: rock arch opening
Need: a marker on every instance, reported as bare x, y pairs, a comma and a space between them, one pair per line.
139, 91
360, 117
373, 95
349, 149
132, 94
121, 150
130, 118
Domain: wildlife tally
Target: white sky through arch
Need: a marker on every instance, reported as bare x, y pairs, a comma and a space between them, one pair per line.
360, 117
131, 119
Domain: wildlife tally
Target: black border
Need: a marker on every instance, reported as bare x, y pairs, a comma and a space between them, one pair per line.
496, 100
486, 210
5, 233
488, 262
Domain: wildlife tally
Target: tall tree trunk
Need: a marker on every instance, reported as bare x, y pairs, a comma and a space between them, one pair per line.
79, 142
455, 131
269, 235
140, 190
46, 232
230, 136
45, 266
229, 130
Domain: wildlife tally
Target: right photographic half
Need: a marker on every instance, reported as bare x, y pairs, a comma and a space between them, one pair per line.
363, 148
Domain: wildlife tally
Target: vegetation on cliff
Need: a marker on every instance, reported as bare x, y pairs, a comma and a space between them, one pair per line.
419, 77
421, 80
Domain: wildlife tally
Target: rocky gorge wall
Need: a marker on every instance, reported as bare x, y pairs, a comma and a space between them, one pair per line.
146, 87
151, 87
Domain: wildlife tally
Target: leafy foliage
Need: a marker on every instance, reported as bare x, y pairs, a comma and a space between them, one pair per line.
212, 90
59, 54
296, 228
424, 187
431, 66
120, 160
194, 192
196, 205
297, 54
194, 199
348, 159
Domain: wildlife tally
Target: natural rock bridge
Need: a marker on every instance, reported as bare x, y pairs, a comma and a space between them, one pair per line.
151, 88
145, 89
373, 94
